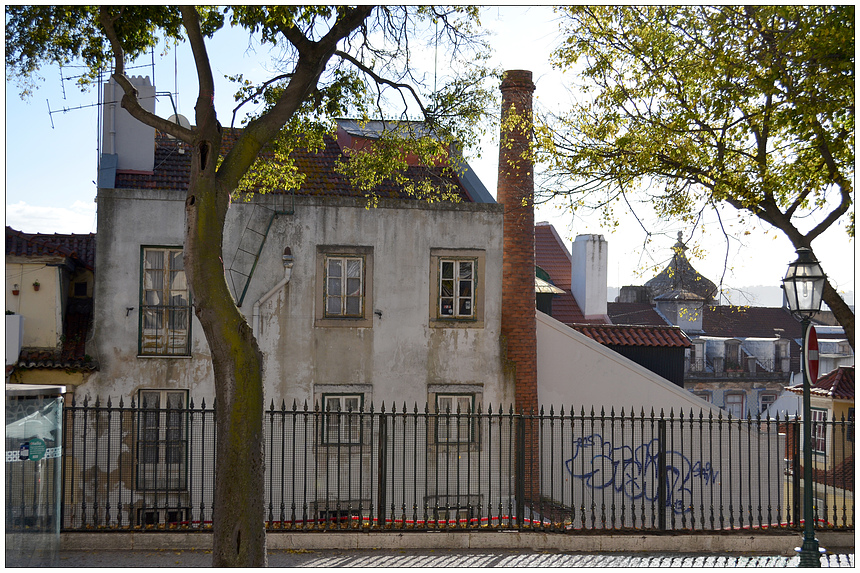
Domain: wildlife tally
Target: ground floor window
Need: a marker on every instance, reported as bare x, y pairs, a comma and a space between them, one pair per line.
162, 439
734, 405
454, 422
342, 418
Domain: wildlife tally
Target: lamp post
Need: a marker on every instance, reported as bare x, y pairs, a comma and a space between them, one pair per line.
804, 284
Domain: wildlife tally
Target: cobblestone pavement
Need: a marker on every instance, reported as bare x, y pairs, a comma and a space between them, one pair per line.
437, 558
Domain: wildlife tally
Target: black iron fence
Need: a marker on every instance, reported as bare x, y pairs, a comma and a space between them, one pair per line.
133, 467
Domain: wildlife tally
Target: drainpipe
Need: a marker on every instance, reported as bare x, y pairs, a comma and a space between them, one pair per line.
288, 271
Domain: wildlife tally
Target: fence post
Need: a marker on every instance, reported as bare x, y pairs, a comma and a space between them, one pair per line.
796, 497
382, 470
662, 477
520, 482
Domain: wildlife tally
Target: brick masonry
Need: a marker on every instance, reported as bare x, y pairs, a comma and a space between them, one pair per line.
516, 193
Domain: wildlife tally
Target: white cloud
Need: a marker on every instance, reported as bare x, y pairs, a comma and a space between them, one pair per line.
79, 217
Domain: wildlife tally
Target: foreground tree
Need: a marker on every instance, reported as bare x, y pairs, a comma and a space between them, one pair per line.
748, 107
332, 58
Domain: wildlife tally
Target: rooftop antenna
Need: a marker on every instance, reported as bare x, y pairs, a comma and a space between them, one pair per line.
436, 58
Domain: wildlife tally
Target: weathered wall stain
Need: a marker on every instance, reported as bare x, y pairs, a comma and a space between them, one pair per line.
634, 473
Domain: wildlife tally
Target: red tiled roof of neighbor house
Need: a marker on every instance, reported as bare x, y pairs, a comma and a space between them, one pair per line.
621, 335
838, 384
749, 321
552, 256
172, 171
79, 247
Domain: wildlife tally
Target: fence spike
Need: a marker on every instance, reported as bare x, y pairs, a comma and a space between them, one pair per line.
203, 404
612, 412
284, 405
120, 401
108, 404
272, 404
490, 409
415, 409
97, 401
306, 405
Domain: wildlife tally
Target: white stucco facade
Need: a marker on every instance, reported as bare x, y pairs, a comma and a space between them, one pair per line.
399, 355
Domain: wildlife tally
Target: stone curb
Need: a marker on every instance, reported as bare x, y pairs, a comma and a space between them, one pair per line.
775, 544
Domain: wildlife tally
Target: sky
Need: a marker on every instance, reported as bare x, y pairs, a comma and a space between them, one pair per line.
51, 157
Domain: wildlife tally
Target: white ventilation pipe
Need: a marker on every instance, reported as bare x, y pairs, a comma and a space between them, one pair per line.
288, 271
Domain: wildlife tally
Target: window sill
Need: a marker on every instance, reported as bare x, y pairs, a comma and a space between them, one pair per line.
187, 356
343, 323
456, 323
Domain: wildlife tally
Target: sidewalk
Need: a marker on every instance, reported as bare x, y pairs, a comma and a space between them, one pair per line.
435, 558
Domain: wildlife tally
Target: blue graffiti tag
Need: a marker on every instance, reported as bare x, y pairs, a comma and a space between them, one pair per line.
629, 472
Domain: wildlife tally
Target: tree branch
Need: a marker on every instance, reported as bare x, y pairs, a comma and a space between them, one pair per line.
130, 100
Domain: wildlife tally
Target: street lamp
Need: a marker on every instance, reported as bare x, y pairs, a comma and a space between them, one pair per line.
804, 285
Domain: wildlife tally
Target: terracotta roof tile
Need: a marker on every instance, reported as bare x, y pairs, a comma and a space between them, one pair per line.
172, 171
621, 335
79, 247
552, 255
838, 384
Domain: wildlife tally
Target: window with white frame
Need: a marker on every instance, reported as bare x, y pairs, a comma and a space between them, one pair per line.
454, 420
344, 286
704, 395
765, 400
456, 288
161, 439
734, 404
342, 418
819, 430
165, 307
456, 294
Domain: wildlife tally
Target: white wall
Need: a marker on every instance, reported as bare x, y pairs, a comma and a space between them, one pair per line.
398, 359
574, 370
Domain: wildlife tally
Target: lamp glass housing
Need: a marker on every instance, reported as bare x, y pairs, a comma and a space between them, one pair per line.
804, 283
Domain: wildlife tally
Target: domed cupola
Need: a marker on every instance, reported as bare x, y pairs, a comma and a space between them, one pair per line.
680, 275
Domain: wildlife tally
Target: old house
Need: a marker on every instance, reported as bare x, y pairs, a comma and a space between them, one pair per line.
49, 305
427, 309
741, 358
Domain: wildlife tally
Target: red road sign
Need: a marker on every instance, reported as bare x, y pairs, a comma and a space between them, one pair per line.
810, 354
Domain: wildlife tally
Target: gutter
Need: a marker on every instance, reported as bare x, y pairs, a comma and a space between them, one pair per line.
288, 271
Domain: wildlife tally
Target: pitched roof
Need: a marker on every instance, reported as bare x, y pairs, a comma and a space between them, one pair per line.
749, 321
680, 274
641, 313
81, 248
173, 171
838, 384
552, 255
621, 335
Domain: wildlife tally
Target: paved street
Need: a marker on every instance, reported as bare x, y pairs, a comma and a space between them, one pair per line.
436, 558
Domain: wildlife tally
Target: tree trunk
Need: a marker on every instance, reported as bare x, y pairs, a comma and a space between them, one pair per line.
841, 311
239, 538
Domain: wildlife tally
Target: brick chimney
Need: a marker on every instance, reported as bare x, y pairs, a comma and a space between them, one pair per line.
516, 193
519, 325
